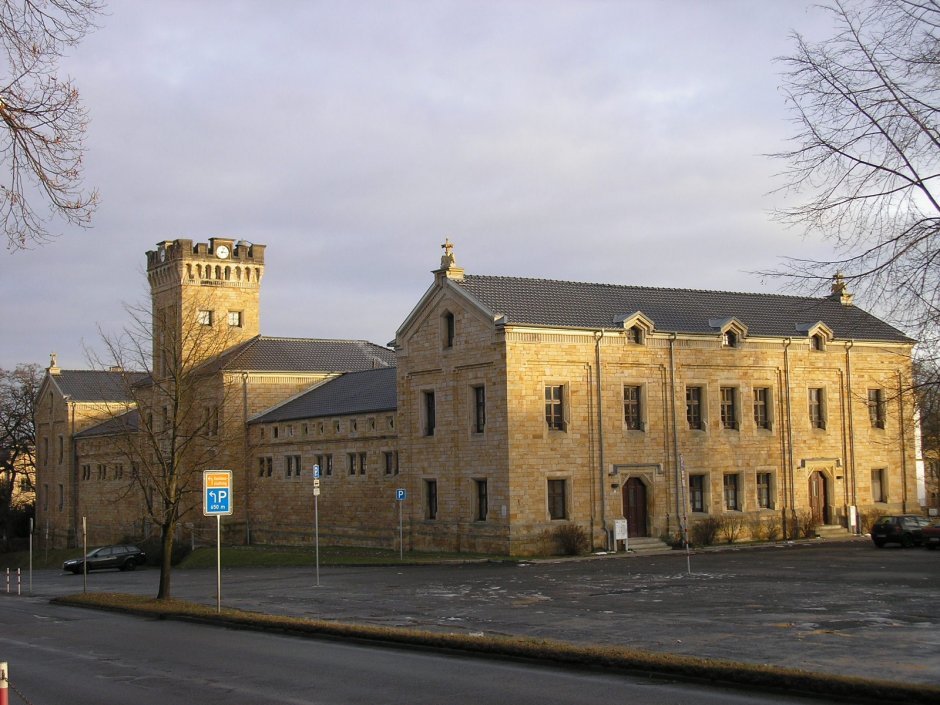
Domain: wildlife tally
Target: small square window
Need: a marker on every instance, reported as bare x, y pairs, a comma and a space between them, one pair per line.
204, 318
235, 319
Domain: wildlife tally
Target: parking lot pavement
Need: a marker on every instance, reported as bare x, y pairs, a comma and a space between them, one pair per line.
836, 607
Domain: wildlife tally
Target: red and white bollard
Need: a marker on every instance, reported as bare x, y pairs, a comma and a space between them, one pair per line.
4, 684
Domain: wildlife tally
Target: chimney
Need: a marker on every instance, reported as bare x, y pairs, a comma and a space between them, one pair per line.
839, 290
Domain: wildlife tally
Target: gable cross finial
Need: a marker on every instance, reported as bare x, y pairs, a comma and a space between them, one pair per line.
447, 259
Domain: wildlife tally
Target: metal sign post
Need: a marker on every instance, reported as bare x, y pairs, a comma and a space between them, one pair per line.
216, 501
30, 555
316, 515
401, 495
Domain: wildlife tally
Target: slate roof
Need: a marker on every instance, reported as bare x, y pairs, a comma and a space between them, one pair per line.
544, 302
266, 354
116, 425
352, 393
96, 385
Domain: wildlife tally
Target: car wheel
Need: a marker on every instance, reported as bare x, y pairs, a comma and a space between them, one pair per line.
129, 564
907, 540
880, 543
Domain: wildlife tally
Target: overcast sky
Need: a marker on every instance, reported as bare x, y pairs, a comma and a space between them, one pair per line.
617, 142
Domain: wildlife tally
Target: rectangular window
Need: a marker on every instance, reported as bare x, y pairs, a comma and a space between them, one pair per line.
450, 329
762, 407
45, 497
102, 472
235, 319
328, 464
429, 413
555, 407
876, 407
265, 466
86, 472
765, 490
632, 410
557, 499
362, 463
430, 499
697, 493
817, 411
61, 449
351, 462
729, 411
204, 318
292, 465
119, 471
878, 493
481, 500
479, 409
731, 493
391, 462
693, 407
61, 497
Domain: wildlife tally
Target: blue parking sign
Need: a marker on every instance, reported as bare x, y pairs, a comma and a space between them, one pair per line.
316, 471
400, 494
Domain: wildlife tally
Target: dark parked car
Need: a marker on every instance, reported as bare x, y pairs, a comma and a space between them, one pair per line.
120, 557
905, 529
931, 534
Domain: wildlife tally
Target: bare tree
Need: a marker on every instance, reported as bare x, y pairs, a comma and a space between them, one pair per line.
18, 389
179, 429
44, 123
867, 154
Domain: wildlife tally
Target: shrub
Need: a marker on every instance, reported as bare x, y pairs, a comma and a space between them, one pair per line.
869, 518
756, 528
807, 524
705, 531
772, 529
731, 527
153, 547
570, 539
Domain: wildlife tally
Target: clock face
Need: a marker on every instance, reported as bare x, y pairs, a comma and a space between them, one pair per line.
221, 251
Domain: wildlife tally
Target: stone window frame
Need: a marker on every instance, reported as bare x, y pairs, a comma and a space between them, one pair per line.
877, 407
767, 422
431, 507
235, 319
477, 409
702, 406
448, 329
765, 492
816, 397
729, 407
700, 493
881, 475
558, 498
640, 405
204, 317
427, 412
731, 492
480, 498
556, 422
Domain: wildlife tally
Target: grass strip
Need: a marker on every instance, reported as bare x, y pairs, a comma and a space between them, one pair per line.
609, 658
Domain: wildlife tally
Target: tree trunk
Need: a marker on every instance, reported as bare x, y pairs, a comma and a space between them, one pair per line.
166, 541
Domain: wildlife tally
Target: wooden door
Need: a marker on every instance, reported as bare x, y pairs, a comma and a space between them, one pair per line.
817, 498
634, 507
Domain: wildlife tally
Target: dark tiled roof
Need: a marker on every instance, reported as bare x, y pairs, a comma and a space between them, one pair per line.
123, 423
264, 354
352, 393
96, 385
543, 302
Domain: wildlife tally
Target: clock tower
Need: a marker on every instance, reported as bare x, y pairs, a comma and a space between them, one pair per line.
204, 298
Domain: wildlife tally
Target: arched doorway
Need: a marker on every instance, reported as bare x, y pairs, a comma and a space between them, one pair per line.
634, 507
818, 493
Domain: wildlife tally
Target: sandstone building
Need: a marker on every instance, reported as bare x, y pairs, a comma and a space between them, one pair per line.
510, 407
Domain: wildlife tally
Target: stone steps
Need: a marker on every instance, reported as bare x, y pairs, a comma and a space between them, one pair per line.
832, 531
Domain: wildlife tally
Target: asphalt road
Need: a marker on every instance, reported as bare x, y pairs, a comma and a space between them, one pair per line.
833, 607
86, 657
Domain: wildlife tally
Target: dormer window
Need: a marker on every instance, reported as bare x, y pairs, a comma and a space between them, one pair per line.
817, 342
635, 335
729, 339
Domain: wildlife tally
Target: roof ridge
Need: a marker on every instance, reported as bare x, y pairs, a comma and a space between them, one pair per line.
320, 340
636, 287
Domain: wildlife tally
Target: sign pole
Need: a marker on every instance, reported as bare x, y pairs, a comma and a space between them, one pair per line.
218, 563
401, 536
316, 524
84, 553
30, 555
